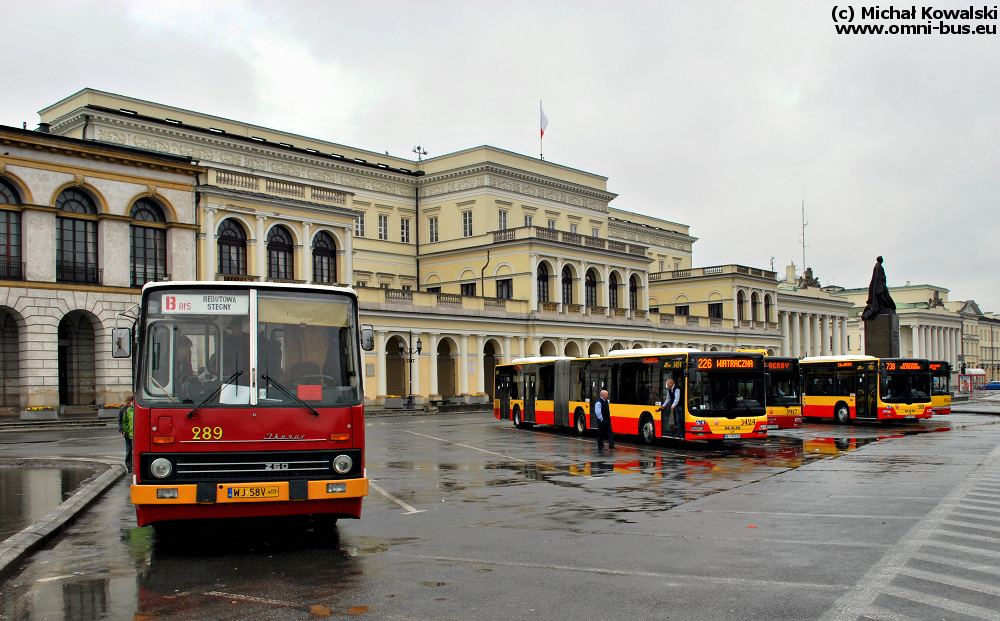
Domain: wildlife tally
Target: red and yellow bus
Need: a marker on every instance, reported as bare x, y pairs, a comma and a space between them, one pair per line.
940, 386
783, 394
248, 401
722, 393
865, 388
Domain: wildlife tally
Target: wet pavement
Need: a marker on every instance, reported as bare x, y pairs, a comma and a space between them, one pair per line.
29, 492
471, 518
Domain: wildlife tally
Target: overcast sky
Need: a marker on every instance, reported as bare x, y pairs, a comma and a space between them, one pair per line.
721, 116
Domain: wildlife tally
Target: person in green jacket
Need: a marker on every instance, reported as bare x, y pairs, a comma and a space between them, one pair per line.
125, 427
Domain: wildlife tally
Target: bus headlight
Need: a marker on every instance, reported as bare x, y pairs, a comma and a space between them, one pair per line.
161, 467
342, 464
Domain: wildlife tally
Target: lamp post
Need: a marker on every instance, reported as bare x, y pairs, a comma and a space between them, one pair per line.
409, 352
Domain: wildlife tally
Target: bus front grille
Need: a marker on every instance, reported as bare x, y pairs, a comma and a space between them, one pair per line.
246, 467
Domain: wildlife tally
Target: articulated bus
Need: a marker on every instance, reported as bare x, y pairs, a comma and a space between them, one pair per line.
722, 393
865, 388
783, 394
941, 386
248, 401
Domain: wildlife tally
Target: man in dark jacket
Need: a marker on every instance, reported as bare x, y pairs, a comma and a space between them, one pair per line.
602, 409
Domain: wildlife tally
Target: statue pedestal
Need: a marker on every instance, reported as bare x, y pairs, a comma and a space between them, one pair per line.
882, 336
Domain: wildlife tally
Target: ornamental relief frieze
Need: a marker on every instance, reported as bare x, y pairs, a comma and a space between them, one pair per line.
527, 189
657, 240
258, 164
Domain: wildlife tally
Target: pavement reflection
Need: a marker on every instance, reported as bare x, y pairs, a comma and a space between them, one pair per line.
29, 493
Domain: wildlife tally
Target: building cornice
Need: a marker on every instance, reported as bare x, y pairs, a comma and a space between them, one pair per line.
667, 239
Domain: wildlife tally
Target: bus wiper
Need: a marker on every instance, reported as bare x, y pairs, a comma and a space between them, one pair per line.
288, 393
215, 393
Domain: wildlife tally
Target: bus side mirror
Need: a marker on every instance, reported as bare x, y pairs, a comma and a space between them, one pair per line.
367, 338
121, 343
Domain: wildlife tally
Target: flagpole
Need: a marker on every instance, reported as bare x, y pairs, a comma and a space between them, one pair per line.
541, 137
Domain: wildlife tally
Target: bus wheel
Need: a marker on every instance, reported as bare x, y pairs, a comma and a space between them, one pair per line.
647, 430
841, 414
580, 426
517, 418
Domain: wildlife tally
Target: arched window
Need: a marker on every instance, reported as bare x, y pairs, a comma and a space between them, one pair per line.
76, 239
232, 248
739, 305
280, 263
754, 303
149, 245
613, 290
543, 282
567, 286
633, 292
767, 308
324, 258
590, 288
11, 267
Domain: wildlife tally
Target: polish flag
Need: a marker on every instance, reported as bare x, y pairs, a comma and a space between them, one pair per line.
544, 119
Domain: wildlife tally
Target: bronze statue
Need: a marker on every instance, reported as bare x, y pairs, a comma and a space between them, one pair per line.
879, 301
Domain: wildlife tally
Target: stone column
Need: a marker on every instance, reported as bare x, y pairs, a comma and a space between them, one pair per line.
580, 285
433, 352
914, 339
380, 364
480, 363
927, 352
835, 325
463, 364
817, 336
307, 256
520, 347
785, 336
415, 374
561, 346
346, 260
261, 249
940, 343
824, 329
533, 289
806, 335
796, 351
506, 350
211, 265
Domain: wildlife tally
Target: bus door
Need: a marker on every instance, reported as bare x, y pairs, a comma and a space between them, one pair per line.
672, 427
560, 395
866, 395
529, 397
503, 393
598, 382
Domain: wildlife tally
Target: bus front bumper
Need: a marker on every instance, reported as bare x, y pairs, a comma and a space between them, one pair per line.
263, 491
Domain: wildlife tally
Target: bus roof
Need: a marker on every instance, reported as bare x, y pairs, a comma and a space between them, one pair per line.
652, 351
539, 359
219, 284
857, 358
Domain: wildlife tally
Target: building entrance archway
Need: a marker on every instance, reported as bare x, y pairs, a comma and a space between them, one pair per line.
10, 383
447, 386
77, 360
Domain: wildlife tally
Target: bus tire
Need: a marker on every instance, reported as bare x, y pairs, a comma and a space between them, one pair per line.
580, 423
517, 418
647, 430
841, 415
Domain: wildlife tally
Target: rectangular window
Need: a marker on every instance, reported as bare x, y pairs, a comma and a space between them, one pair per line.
384, 285
661, 266
76, 251
682, 310
677, 267
469, 289
505, 289
573, 228
502, 220
552, 224
466, 224
404, 230
715, 310
359, 225
383, 226
361, 283
406, 287
595, 232
529, 221
433, 289
432, 229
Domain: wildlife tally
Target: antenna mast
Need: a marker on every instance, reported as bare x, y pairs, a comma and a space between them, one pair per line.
804, 223
420, 152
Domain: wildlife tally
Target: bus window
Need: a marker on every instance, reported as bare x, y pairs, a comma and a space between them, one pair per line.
546, 382
904, 387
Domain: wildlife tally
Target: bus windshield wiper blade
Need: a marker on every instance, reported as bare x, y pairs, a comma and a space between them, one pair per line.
232, 378
288, 393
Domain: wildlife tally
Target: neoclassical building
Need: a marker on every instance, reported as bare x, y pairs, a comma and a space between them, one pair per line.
83, 225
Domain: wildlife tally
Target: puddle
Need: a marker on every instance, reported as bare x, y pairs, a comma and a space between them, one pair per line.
28, 494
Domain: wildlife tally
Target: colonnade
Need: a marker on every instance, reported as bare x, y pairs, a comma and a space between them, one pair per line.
812, 334
935, 342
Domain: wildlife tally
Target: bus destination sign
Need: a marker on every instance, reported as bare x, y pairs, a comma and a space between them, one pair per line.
206, 304
725, 363
778, 366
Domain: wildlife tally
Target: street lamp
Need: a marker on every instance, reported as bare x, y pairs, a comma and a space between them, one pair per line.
409, 352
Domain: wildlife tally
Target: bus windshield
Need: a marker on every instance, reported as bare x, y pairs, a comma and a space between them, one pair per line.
783, 389
905, 386
726, 393
941, 383
197, 346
